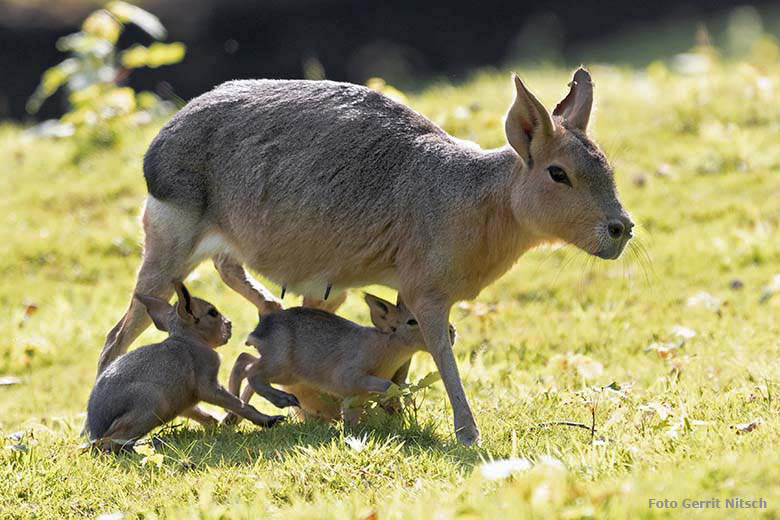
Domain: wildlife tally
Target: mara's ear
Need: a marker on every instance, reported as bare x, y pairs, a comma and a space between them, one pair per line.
576, 106
157, 308
384, 315
184, 303
528, 123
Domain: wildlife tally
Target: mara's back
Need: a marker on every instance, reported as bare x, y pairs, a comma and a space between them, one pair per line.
312, 343
244, 134
334, 170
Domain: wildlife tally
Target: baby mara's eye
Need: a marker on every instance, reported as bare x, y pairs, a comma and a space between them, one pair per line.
558, 175
213, 313
412, 323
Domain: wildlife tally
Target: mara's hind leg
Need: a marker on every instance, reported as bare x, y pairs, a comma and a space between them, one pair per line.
257, 377
171, 236
236, 277
199, 415
332, 304
251, 368
393, 406
237, 376
127, 429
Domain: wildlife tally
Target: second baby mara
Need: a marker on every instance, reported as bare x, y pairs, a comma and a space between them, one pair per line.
314, 352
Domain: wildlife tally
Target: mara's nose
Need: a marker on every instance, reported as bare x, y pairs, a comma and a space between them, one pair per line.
618, 229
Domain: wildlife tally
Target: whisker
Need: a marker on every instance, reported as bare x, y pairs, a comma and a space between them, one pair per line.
637, 251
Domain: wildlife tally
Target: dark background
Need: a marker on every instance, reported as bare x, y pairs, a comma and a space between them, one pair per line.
404, 41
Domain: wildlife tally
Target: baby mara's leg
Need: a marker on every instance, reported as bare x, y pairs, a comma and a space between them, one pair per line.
258, 378
196, 413
232, 419
352, 408
237, 376
127, 429
214, 393
238, 372
254, 371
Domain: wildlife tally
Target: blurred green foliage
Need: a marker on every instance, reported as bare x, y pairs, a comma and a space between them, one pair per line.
98, 106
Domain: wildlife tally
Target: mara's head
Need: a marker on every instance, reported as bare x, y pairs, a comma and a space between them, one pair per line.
398, 321
566, 189
190, 317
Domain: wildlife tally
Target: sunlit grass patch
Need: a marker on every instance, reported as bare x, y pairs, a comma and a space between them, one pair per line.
668, 359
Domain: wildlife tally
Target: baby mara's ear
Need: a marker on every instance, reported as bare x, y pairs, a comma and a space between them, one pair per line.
384, 315
184, 303
157, 308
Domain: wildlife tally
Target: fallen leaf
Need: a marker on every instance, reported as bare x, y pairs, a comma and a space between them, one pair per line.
683, 332
704, 299
655, 409
616, 417
772, 288
356, 443
663, 170
504, 468
111, 516
587, 367
665, 350
747, 427
759, 392
16, 436
30, 308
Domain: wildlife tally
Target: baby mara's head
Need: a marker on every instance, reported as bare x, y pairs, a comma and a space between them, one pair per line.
398, 321
190, 317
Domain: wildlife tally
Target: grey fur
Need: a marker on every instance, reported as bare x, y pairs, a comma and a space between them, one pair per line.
153, 384
316, 183
328, 354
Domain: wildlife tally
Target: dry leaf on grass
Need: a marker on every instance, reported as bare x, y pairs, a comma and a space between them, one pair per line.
747, 427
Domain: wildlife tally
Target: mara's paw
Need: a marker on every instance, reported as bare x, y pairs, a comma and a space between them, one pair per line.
273, 420
468, 435
288, 400
231, 419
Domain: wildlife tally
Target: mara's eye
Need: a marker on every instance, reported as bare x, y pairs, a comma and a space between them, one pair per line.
412, 323
213, 313
558, 175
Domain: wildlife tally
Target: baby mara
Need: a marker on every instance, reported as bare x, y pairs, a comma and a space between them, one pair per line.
153, 384
315, 352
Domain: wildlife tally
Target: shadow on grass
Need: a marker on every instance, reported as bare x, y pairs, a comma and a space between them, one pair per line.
192, 448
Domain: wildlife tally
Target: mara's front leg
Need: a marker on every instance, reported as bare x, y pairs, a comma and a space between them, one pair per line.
433, 316
196, 413
214, 393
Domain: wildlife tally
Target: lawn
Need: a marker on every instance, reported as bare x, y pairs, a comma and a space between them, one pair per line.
671, 352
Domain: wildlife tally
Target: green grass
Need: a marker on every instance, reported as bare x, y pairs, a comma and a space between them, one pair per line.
696, 161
